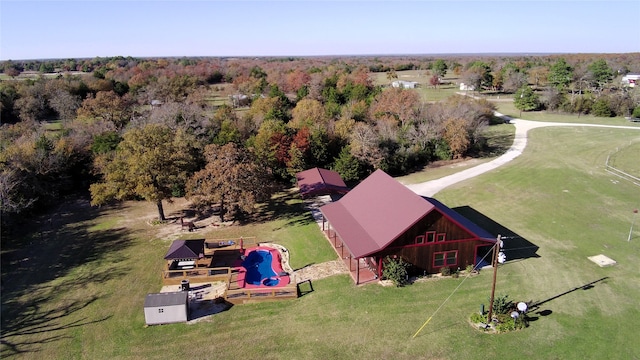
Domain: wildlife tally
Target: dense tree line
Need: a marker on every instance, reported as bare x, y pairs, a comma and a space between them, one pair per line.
147, 129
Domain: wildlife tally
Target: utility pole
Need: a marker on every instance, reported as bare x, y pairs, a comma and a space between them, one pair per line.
496, 250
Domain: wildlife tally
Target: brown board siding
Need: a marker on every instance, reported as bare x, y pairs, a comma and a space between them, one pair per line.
421, 256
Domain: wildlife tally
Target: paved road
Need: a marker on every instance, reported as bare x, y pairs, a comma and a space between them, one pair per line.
430, 188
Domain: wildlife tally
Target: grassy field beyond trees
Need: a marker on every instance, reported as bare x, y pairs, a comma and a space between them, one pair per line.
75, 287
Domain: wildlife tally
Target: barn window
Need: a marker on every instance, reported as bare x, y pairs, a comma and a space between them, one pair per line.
446, 258
441, 237
160, 311
431, 235
420, 239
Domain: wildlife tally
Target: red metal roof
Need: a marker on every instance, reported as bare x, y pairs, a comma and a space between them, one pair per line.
320, 181
380, 209
375, 213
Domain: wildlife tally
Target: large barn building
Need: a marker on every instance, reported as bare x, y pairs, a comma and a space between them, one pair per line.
381, 217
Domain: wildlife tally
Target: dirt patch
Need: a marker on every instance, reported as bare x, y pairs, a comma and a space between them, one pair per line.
321, 271
204, 224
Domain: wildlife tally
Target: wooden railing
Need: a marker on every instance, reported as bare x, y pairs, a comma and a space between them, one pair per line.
174, 277
249, 295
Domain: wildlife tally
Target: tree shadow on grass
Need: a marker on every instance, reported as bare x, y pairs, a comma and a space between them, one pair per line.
283, 205
515, 246
49, 247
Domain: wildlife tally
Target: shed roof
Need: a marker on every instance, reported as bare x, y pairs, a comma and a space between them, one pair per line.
166, 299
320, 181
185, 249
380, 209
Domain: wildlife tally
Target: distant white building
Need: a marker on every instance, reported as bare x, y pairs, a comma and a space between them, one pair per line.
405, 84
465, 87
630, 80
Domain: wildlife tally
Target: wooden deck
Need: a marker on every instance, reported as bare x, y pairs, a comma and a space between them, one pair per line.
220, 263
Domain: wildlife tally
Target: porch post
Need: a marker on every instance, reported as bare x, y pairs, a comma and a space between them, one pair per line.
357, 271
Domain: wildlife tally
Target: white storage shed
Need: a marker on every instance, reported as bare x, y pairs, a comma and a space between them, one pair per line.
166, 308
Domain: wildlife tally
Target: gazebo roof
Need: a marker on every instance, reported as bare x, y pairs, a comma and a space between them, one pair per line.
318, 181
185, 249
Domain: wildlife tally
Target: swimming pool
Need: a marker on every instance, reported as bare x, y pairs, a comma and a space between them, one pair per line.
263, 268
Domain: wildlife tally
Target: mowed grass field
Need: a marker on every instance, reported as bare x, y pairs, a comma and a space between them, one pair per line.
76, 287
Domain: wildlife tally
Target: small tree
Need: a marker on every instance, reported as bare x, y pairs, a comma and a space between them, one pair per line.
526, 100
395, 269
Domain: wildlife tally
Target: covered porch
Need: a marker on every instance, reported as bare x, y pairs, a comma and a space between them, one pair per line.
363, 270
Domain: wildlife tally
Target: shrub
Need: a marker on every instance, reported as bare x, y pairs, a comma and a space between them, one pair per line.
445, 271
636, 112
502, 304
470, 268
395, 269
601, 108
507, 323
478, 318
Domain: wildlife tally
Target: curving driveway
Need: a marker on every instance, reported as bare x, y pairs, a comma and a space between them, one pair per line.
430, 188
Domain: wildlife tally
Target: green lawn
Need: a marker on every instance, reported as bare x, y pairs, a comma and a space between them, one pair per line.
625, 158
508, 108
75, 289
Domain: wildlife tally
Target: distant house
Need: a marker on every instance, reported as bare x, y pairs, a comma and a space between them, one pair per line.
238, 100
465, 87
317, 181
156, 103
630, 80
166, 308
405, 84
381, 217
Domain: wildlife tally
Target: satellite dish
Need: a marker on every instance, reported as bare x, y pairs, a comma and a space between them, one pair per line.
502, 257
522, 307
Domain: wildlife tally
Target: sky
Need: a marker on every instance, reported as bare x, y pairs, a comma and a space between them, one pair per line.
147, 28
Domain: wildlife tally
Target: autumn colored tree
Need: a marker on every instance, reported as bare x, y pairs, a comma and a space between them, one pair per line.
32, 104
108, 106
152, 162
456, 136
364, 145
271, 146
308, 113
434, 81
538, 75
397, 104
231, 177
65, 104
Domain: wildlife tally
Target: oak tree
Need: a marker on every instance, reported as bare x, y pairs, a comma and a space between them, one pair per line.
231, 177
152, 162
